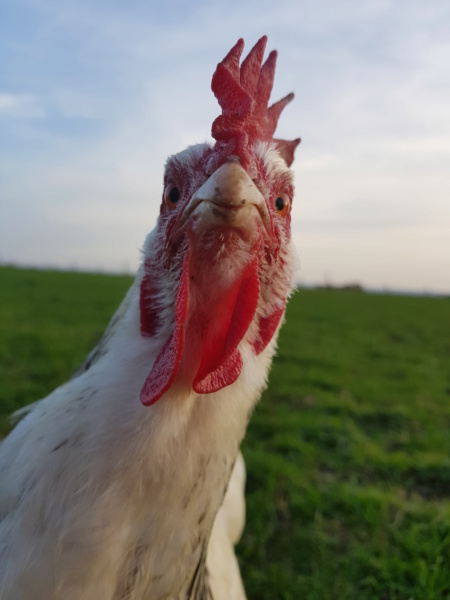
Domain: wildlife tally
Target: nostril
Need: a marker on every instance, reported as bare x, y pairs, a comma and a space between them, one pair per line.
233, 159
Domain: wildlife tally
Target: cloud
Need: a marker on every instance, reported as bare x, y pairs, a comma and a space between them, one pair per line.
20, 105
106, 91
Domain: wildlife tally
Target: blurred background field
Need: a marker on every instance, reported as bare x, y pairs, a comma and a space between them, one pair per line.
348, 453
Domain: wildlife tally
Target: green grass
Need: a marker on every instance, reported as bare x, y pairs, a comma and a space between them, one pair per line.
49, 321
348, 453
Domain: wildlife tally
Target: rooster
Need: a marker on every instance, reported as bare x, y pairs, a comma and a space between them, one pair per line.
126, 483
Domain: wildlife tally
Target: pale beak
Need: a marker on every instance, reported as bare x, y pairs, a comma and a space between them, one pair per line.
228, 198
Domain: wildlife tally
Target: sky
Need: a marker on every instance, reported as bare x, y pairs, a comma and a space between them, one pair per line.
95, 95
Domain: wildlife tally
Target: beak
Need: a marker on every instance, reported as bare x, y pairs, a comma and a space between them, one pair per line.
229, 198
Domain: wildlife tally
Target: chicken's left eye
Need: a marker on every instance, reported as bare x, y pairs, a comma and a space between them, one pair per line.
171, 196
282, 204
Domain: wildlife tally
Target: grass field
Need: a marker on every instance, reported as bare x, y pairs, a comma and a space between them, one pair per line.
348, 453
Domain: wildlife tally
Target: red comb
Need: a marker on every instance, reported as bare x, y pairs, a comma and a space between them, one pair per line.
243, 94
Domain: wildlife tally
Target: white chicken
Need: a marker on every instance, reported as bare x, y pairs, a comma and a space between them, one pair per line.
117, 485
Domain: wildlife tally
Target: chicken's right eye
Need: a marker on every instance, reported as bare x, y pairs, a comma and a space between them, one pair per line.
171, 196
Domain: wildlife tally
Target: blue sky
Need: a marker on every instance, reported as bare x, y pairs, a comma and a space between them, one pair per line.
95, 95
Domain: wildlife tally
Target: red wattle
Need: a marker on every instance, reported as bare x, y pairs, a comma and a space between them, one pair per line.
168, 361
221, 362
224, 375
267, 327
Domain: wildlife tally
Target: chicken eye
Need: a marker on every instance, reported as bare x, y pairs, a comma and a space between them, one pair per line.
282, 204
171, 196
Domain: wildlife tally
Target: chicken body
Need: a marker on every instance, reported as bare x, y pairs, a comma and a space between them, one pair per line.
103, 496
